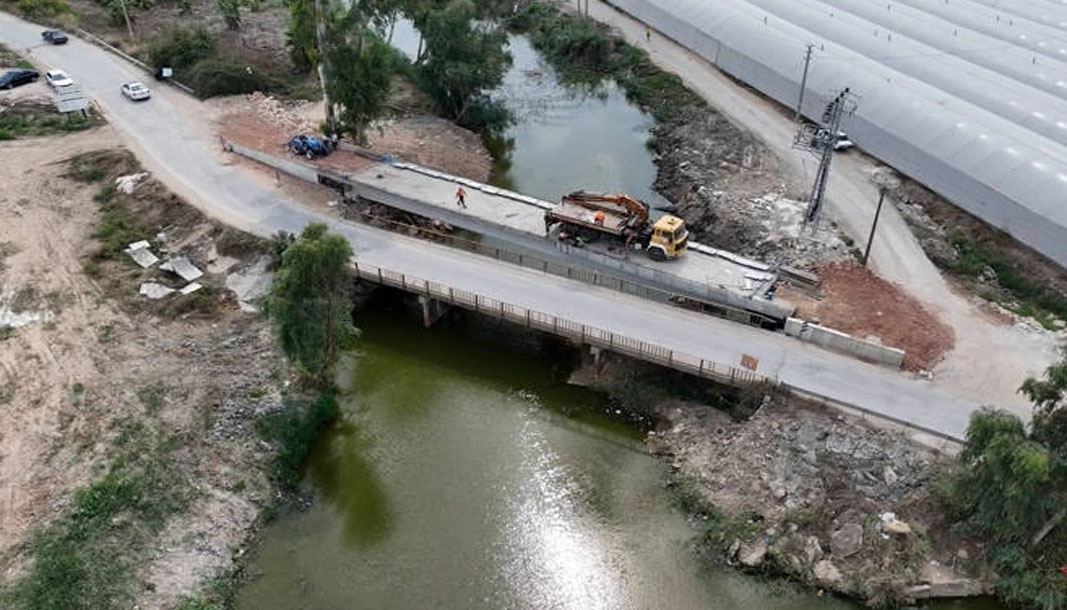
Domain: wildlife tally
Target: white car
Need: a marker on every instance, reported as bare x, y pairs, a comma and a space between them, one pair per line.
57, 79
136, 91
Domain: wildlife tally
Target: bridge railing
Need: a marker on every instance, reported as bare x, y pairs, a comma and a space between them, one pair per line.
576, 331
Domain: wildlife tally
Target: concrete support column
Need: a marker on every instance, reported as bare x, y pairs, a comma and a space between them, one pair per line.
432, 310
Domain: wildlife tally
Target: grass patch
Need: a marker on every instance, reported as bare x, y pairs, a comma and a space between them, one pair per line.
85, 558
1032, 299
25, 120
6, 332
294, 429
117, 227
238, 244
11, 59
153, 396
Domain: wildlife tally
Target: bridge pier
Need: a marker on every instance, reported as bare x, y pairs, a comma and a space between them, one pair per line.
432, 310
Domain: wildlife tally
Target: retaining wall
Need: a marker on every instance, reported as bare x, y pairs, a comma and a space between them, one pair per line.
846, 344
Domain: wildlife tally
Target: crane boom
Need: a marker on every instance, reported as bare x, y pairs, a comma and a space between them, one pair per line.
636, 210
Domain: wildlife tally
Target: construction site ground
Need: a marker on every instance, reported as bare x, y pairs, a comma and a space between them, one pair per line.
990, 358
87, 363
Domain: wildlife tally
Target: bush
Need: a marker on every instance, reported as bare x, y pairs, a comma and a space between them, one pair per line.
43, 9
217, 76
295, 428
181, 49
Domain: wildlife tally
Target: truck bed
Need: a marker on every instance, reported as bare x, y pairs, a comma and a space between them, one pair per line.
572, 212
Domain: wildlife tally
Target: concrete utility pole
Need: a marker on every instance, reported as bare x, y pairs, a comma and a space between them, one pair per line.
803, 83
820, 139
874, 225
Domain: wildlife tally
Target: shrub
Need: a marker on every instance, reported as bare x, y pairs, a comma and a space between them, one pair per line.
295, 428
181, 49
43, 9
217, 76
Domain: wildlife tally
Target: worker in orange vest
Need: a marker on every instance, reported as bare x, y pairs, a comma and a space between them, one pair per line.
598, 218
461, 197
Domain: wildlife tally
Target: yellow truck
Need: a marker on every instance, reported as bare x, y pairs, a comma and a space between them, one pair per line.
583, 217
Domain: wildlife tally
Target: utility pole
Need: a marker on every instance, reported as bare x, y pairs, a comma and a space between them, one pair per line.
803, 83
820, 140
877, 212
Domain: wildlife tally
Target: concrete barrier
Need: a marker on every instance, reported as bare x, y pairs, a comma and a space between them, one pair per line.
846, 344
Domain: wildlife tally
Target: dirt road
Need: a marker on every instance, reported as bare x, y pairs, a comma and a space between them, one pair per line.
990, 359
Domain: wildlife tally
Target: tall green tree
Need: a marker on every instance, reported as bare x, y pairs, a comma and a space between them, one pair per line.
463, 60
358, 76
311, 301
1012, 487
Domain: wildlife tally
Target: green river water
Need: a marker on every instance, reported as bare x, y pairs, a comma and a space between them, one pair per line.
465, 474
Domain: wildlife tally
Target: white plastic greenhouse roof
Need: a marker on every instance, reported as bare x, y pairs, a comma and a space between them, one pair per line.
965, 96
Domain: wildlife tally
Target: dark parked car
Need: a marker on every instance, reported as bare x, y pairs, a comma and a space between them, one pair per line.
15, 78
54, 36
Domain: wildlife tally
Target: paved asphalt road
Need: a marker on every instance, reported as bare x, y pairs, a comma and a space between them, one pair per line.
171, 138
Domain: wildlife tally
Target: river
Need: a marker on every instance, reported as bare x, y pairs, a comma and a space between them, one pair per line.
563, 138
465, 474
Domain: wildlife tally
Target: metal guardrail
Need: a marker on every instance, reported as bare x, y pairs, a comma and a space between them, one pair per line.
100, 42
587, 335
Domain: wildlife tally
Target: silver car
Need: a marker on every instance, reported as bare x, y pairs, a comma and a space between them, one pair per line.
58, 79
136, 91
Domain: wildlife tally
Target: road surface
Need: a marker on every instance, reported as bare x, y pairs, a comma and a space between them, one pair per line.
170, 136
990, 360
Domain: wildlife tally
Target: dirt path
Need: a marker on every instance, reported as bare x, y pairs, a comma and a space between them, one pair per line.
990, 359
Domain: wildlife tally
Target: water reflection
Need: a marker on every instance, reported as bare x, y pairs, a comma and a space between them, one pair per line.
479, 498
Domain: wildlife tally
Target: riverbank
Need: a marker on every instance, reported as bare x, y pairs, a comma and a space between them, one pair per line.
723, 181
781, 487
131, 472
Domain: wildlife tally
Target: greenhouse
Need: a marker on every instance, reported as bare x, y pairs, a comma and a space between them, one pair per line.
965, 96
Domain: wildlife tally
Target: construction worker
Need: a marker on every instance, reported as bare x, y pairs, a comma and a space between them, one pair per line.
461, 197
648, 34
598, 218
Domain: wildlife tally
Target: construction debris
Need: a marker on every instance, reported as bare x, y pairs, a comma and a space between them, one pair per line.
141, 254
153, 290
126, 184
191, 288
181, 265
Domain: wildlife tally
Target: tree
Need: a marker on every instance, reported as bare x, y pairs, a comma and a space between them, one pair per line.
310, 301
358, 76
462, 60
1012, 486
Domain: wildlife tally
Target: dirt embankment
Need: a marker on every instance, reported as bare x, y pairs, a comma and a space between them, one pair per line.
855, 301
105, 387
266, 124
781, 486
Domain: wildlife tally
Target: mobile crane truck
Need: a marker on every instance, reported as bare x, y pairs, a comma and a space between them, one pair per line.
583, 217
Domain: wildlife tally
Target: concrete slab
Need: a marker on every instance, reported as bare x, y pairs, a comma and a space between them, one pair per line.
191, 288
154, 291
181, 265
143, 256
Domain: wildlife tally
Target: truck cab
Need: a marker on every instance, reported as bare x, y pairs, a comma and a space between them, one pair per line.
669, 238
